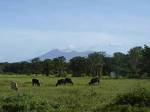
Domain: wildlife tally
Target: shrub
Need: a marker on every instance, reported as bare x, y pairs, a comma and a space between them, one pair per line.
22, 103
139, 97
137, 100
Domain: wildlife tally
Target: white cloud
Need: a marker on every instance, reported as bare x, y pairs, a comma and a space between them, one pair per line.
21, 44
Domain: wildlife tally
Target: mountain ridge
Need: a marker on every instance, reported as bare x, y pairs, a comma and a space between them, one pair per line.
67, 54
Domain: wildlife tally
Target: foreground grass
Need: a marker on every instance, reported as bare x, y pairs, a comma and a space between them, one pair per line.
77, 98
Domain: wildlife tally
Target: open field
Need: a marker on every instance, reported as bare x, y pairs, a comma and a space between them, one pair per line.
77, 98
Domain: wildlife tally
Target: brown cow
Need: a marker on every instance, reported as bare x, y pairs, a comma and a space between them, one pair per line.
14, 86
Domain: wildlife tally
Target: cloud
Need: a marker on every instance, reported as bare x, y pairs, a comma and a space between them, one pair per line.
70, 47
115, 44
21, 44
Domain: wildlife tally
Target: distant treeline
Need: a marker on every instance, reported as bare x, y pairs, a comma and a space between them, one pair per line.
134, 64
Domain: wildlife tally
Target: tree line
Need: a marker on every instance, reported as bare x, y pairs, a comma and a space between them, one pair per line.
134, 64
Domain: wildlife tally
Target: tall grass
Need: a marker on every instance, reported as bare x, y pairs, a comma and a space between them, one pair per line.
137, 100
23, 103
77, 98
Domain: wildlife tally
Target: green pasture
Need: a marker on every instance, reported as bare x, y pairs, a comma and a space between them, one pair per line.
77, 98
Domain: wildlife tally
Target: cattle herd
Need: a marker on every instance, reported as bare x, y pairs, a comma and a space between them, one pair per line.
36, 82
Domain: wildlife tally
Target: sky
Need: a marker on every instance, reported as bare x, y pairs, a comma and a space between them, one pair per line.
29, 28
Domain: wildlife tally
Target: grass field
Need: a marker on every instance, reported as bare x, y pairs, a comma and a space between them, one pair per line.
77, 98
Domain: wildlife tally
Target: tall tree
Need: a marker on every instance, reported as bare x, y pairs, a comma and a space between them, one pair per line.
77, 66
36, 65
96, 61
59, 65
120, 64
135, 56
145, 63
107, 69
47, 66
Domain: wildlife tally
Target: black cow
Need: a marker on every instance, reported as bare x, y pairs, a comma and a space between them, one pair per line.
94, 80
35, 82
68, 80
60, 82
64, 81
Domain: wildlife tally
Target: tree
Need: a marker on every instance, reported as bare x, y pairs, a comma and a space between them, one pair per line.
25, 67
59, 65
36, 62
107, 69
2, 66
145, 62
96, 61
78, 66
135, 56
120, 64
47, 66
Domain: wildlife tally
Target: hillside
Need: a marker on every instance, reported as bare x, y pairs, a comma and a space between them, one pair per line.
67, 54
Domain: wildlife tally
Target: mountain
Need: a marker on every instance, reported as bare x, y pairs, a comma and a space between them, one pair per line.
67, 54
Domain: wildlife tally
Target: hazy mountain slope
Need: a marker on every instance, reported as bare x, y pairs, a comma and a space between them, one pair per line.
67, 54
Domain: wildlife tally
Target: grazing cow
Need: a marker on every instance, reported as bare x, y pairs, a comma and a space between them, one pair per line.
68, 80
64, 81
60, 82
94, 80
14, 86
35, 82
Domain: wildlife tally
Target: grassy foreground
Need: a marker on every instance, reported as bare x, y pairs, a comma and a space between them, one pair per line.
77, 98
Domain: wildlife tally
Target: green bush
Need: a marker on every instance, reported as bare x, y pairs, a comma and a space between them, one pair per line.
140, 97
22, 103
137, 100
